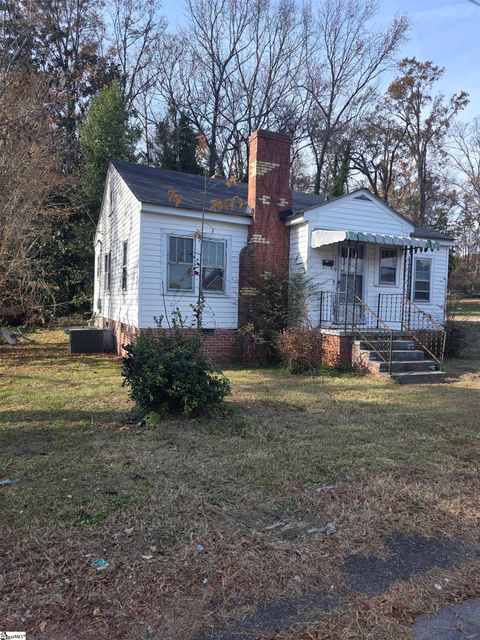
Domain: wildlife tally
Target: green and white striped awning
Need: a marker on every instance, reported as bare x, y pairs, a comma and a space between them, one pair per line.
321, 237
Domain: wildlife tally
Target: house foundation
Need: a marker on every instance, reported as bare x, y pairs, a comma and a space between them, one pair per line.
222, 346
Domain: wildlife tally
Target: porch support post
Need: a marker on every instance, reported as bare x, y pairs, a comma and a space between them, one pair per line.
410, 275
346, 286
355, 283
405, 253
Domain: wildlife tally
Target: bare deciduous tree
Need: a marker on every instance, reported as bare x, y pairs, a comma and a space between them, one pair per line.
30, 182
346, 58
426, 118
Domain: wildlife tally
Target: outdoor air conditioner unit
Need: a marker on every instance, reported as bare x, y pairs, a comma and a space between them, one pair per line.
89, 340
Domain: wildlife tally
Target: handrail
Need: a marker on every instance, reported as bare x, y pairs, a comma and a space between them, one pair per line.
433, 331
377, 322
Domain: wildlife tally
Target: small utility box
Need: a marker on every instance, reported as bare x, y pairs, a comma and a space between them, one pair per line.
89, 340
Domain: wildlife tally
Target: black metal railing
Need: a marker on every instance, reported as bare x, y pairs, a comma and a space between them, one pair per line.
328, 306
390, 307
428, 333
374, 332
338, 308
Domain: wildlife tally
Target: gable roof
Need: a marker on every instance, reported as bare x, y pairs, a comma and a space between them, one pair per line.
366, 194
153, 186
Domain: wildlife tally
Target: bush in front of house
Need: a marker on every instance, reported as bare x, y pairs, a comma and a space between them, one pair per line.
167, 373
456, 339
299, 349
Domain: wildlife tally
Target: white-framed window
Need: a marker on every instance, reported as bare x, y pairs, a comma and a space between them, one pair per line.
213, 265
422, 280
180, 263
107, 282
388, 261
99, 268
124, 266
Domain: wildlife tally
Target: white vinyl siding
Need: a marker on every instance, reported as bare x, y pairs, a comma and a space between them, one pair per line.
112, 232
156, 299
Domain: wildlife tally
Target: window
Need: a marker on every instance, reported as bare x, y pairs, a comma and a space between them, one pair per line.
111, 197
423, 272
124, 266
356, 251
180, 263
388, 266
213, 266
108, 272
99, 268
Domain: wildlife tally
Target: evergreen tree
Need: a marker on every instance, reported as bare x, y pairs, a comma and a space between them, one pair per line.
105, 134
341, 172
175, 143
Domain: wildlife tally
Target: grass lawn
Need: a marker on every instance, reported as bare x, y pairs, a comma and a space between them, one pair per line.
90, 484
469, 309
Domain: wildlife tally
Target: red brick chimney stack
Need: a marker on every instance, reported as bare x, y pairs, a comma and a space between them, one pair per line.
269, 193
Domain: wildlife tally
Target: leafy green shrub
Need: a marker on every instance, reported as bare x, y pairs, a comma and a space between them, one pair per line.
280, 300
299, 349
168, 373
456, 339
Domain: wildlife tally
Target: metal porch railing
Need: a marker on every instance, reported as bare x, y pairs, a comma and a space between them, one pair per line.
374, 332
428, 333
392, 308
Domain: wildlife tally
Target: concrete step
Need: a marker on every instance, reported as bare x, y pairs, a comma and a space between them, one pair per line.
379, 344
419, 377
399, 366
397, 355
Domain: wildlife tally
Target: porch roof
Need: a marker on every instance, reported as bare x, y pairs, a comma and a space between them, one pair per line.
321, 237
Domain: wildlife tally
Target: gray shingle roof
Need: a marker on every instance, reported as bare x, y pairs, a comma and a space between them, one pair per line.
153, 186
433, 234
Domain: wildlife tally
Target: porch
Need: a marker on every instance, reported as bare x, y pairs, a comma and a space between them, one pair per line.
380, 289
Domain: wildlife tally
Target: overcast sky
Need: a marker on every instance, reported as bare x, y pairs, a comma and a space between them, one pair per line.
445, 31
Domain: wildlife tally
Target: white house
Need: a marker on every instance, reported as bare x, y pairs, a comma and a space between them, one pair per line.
375, 271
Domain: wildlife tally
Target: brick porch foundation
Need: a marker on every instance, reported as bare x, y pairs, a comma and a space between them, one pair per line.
225, 346
336, 349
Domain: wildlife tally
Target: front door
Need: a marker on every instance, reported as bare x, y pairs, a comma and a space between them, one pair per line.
350, 282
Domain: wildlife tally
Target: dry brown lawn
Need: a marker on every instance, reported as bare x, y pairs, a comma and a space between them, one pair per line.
91, 485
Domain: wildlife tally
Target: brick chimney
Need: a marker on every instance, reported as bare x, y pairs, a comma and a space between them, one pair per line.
268, 194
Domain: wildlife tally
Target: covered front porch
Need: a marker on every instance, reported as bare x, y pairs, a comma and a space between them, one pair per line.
378, 286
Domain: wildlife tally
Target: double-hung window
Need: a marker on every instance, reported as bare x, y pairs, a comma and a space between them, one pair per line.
180, 263
108, 272
213, 266
124, 266
422, 280
388, 266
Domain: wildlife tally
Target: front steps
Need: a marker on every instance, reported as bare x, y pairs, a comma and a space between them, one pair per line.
409, 365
